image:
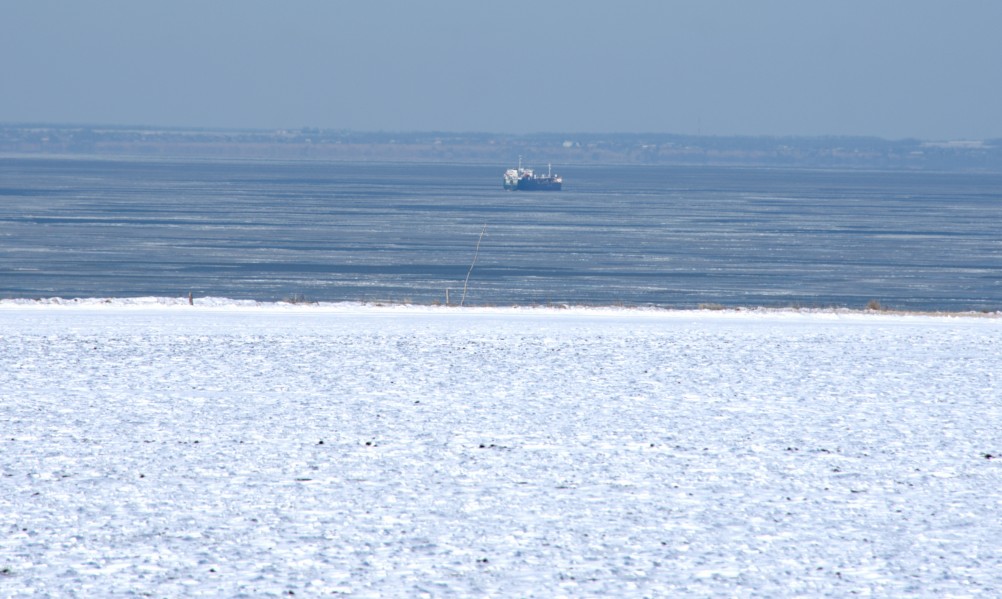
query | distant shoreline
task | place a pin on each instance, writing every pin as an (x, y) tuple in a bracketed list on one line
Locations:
[(501, 149)]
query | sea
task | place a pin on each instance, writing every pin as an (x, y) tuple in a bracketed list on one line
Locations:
[(669, 236)]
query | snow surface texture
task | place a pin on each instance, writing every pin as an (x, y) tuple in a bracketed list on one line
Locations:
[(228, 449)]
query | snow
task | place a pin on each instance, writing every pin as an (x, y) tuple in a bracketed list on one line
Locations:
[(148, 447)]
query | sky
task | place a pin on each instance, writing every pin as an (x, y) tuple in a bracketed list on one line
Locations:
[(888, 68)]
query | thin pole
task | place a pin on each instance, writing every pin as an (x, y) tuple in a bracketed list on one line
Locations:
[(475, 254)]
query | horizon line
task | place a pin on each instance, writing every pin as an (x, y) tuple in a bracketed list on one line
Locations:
[(343, 130)]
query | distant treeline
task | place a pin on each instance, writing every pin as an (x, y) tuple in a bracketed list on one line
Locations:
[(502, 149)]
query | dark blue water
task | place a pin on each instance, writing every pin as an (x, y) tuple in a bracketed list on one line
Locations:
[(671, 236)]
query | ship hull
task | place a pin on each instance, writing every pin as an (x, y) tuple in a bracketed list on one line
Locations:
[(538, 185)]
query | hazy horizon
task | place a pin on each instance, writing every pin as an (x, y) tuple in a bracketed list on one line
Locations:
[(419, 136), (894, 70)]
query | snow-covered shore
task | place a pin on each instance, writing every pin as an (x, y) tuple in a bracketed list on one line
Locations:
[(228, 448)]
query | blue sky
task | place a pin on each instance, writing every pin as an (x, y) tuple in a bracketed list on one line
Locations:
[(888, 68)]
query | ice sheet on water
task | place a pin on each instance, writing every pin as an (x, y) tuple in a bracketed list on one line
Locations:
[(236, 447)]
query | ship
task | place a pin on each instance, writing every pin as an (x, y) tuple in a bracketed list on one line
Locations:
[(524, 179)]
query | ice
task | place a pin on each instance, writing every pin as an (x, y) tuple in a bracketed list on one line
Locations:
[(239, 448)]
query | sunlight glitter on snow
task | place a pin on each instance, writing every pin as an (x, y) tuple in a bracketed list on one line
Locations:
[(236, 448)]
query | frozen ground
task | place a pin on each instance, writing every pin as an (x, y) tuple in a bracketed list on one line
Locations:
[(156, 449)]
